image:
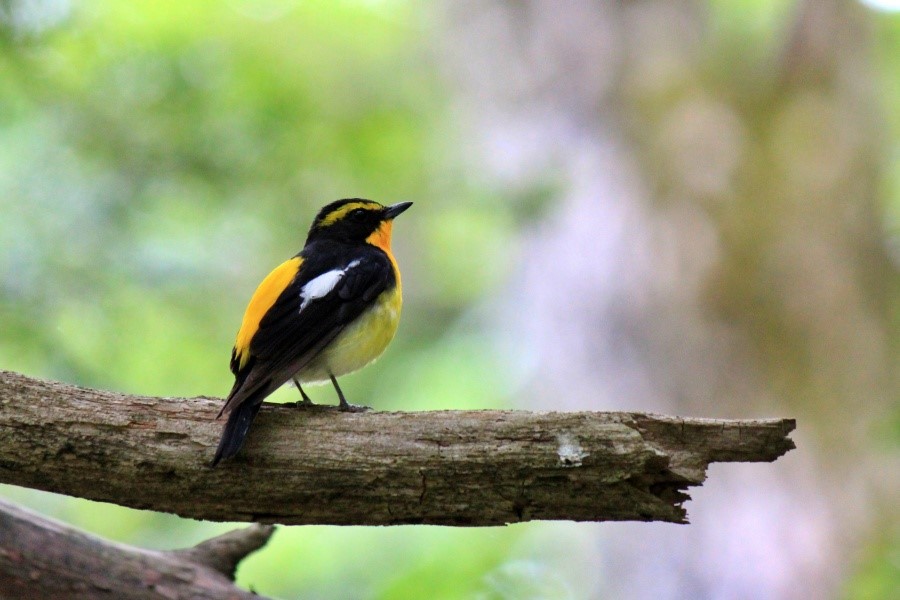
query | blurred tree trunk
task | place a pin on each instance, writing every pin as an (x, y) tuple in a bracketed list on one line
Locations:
[(717, 233), (45, 559)]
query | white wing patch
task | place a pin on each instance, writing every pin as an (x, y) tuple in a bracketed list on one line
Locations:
[(322, 285)]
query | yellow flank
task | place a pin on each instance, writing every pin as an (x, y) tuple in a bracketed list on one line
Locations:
[(360, 343), (263, 299), (341, 212)]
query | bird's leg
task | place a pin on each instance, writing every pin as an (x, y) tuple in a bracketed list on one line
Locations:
[(345, 406), (306, 401)]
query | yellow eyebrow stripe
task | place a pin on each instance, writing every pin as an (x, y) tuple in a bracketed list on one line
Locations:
[(263, 299), (340, 213)]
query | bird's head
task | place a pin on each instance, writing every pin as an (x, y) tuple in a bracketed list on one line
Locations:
[(354, 220)]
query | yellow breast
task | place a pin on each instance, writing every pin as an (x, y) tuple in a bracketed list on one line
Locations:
[(361, 342)]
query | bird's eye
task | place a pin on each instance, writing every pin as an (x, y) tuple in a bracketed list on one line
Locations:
[(358, 215)]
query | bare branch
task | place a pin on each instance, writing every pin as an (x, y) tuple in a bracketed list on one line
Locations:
[(319, 466), (44, 559), (224, 552)]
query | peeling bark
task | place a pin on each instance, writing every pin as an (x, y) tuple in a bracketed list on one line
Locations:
[(320, 466)]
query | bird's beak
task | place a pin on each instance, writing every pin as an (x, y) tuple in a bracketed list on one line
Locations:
[(395, 209)]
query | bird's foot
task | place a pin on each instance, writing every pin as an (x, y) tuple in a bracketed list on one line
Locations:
[(306, 401), (303, 403), (353, 408)]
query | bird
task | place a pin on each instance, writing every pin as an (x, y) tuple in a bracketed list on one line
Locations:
[(328, 311)]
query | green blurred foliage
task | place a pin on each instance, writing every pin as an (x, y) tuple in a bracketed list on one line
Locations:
[(878, 575), (158, 158)]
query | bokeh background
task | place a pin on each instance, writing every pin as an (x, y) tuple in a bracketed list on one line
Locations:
[(683, 206)]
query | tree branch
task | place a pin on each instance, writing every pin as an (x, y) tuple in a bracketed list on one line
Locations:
[(44, 559), (320, 466)]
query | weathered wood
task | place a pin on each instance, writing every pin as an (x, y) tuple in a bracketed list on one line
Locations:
[(42, 559), (320, 466)]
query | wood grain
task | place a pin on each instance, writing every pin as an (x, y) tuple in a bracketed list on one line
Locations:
[(320, 466)]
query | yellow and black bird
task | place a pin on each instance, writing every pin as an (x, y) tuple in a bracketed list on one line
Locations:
[(328, 311)]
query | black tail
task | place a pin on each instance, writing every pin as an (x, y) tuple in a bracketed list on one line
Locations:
[(236, 429)]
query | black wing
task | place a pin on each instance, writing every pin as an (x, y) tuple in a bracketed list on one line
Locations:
[(289, 337)]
